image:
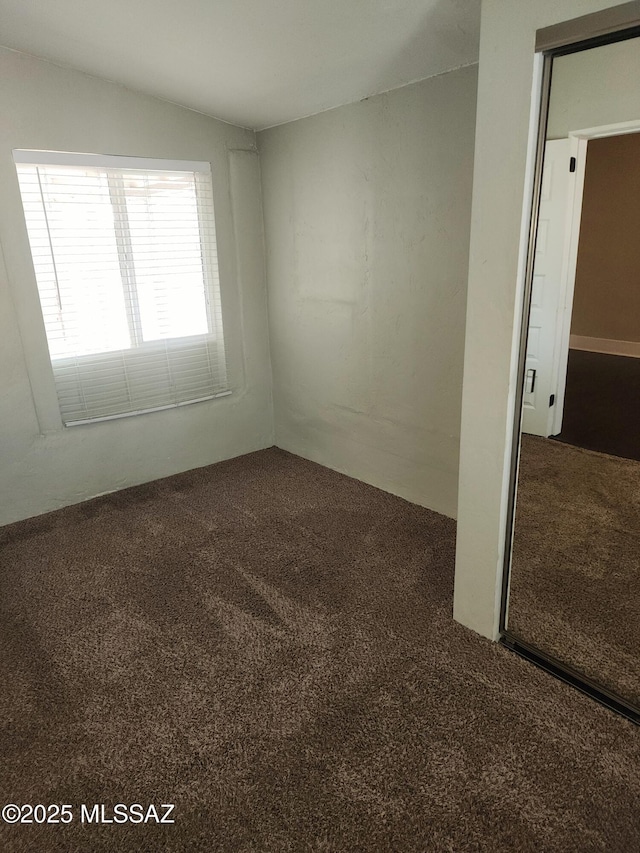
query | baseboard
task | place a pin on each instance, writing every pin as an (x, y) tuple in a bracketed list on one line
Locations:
[(605, 345)]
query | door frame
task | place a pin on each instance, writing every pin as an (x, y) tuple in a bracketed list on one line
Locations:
[(578, 141), (540, 421)]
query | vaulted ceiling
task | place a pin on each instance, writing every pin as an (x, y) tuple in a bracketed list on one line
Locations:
[(255, 63)]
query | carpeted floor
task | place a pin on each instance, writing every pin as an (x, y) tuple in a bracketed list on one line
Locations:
[(269, 645), (575, 578)]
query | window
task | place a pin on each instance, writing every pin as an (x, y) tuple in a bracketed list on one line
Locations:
[(124, 253)]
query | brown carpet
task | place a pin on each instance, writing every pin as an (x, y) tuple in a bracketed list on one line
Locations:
[(575, 580), (269, 645)]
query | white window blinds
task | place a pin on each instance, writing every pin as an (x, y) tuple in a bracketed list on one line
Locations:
[(124, 253)]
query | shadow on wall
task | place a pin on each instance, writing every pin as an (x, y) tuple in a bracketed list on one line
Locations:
[(367, 216), (448, 29)]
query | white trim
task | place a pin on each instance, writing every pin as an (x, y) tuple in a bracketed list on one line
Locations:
[(573, 216), (107, 161), (619, 129), (605, 345)]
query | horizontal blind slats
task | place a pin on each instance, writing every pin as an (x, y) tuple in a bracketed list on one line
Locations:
[(127, 272)]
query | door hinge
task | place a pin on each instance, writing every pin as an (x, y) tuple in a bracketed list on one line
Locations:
[(572, 164), (552, 400), (530, 381)]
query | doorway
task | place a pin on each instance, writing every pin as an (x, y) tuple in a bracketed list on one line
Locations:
[(602, 398), (582, 378)]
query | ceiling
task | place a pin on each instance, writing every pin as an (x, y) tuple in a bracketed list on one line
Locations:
[(256, 63)]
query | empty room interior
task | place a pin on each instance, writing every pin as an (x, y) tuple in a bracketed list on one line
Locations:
[(320, 426)]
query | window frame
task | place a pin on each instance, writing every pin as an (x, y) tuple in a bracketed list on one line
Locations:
[(211, 282)]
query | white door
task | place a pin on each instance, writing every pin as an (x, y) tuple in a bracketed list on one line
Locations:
[(547, 299)]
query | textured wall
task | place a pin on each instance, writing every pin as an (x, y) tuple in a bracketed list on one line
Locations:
[(507, 44), (44, 465), (595, 87), (606, 300), (367, 226)]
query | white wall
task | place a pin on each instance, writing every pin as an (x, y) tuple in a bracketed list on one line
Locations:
[(367, 213), (595, 87), (43, 465), (507, 43)]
